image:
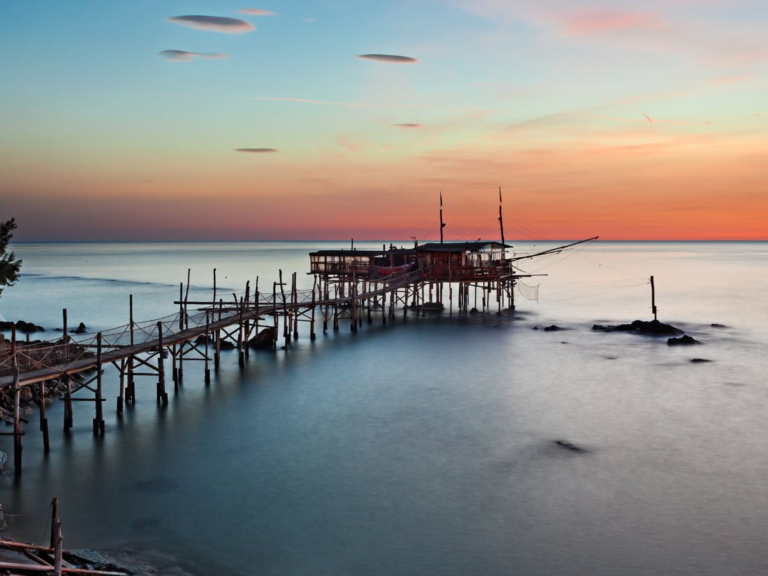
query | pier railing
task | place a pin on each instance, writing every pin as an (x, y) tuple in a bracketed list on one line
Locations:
[(72, 350)]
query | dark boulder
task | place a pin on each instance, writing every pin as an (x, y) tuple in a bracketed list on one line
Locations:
[(81, 329), (226, 345), (474, 311), (265, 339), (552, 328), (682, 341), (718, 326), (21, 326), (699, 360), (647, 328), (568, 446)]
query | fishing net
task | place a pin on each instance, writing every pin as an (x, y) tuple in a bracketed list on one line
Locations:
[(528, 292)]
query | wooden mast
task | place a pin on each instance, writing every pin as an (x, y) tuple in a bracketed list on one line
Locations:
[(442, 224)]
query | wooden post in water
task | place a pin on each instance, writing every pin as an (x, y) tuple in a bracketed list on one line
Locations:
[(66, 334), (122, 388), (247, 329), (296, 310), (178, 374), (58, 548), (131, 389), (68, 415), (312, 335), (217, 351), (162, 395), (98, 421), (54, 519), (240, 353), (274, 315), (207, 338), (44, 420), (653, 298), (17, 431)]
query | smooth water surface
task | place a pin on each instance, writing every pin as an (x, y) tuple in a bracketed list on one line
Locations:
[(423, 447)]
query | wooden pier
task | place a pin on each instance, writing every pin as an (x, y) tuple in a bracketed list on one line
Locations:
[(349, 286)]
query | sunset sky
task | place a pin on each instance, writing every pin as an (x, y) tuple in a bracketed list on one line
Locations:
[(129, 120)]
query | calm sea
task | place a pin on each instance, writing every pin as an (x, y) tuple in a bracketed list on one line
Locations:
[(422, 447)]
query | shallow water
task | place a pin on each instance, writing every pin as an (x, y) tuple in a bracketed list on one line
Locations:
[(423, 447)]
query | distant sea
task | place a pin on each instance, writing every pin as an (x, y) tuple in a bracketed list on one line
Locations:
[(426, 446)]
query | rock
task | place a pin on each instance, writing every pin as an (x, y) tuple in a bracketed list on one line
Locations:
[(568, 446), (552, 328), (25, 394), (21, 326), (202, 339), (535, 327), (683, 340), (265, 339), (81, 329), (718, 326), (652, 328), (474, 311), (699, 360), (226, 345)]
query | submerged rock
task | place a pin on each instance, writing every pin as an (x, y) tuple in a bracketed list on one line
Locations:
[(718, 326), (552, 328), (648, 328), (568, 446), (699, 360), (21, 326), (265, 339), (683, 340), (81, 329), (474, 311)]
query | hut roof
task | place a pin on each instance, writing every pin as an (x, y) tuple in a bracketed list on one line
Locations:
[(460, 246)]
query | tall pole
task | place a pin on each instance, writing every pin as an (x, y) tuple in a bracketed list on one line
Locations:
[(442, 224), (653, 298), (501, 226)]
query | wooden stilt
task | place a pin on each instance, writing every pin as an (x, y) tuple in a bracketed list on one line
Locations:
[(131, 388), (44, 420), (68, 415), (122, 388), (312, 321), (98, 421), (17, 429), (207, 337), (162, 395)]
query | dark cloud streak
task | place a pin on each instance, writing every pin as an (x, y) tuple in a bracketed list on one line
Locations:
[(388, 58), (214, 24), (257, 150), (184, 56)]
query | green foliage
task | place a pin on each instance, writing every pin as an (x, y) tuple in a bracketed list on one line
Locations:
[(9, 266)]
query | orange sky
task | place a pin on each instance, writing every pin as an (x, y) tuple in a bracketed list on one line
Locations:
[(593, 118)]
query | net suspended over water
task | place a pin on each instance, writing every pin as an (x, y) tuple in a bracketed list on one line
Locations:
[(528, 292)]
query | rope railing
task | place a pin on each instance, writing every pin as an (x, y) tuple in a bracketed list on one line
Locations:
[(63, 353)]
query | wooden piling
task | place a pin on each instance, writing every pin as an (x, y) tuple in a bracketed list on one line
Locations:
[(54, 519), (162, 395), (44, 420), (17, 430), (207, 337), (131, 388), (98, 421)]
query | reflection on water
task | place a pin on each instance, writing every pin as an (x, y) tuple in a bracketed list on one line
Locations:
[(426, 446)]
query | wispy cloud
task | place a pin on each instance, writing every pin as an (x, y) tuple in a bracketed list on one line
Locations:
[(309, 19), (407, 125), (388, 58), (368, 104), (214, 24), (184, 56), (256, 12), (257, 150), (595, 21), (647, 117)]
